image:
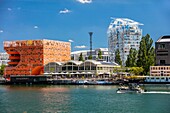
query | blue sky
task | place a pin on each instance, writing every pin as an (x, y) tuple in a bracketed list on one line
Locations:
[(72, 19)]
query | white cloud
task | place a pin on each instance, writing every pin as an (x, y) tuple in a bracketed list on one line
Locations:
[(65, 11), (70, 40), (1, 31), (80, 47), (85, 1), (35, 27), (9, 9), (18, 8)]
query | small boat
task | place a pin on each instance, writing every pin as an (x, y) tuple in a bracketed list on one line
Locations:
[(131, 88), (81, 82)]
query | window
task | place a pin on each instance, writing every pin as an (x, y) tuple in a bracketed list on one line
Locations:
[(162, 54), (75, 68), (162, 73), (162, 62), (52, 69), (162, 46), (69, 68), (81, 68), (63, 68), (87, 68), (93, 68)]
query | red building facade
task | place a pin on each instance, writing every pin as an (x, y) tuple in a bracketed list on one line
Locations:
[(28, 57)]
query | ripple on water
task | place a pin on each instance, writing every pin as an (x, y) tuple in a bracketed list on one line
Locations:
[(78, 99)]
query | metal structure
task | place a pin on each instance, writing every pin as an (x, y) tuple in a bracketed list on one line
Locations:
[(90, 33), (123, 34)]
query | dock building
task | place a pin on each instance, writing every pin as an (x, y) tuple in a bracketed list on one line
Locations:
[(88, 68)]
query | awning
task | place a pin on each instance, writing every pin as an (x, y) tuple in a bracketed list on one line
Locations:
[(107, 73), (89, 72), (100, 73)]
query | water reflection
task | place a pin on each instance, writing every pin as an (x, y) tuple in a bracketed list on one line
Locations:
[(54, 99), (47, 98), (157, 87), (78, 99), (54, 89)]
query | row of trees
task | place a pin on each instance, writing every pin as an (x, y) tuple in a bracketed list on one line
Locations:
[(90, 57), (144, 57), (140, 60), (132, 70)]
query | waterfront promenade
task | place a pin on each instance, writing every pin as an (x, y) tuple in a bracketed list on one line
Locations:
[(64, 80)]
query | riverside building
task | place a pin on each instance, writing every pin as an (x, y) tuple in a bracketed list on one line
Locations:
[(123, 34), (161, 71), (28, 57), (79, 69)]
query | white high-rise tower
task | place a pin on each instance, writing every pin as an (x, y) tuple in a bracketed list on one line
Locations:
[(123, 34)]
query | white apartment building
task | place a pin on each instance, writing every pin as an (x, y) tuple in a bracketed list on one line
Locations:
[(123, 34)]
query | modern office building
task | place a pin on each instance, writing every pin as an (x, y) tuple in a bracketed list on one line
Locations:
[(123, 34), (162, 51), (85, 53), (28, 57), (161, 71), (4, 59), (88, 68)]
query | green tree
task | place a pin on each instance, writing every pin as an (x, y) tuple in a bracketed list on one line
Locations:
[(2, 68), (117, 57), (99, 54), (146, 54), (90, 57), (81, 57), (128, 61), (136, 70), (131, 58)]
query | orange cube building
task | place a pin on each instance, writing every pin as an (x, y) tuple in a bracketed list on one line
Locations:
[(28, 57)]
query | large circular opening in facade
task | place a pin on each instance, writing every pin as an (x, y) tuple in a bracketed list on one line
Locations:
[(14, 58)]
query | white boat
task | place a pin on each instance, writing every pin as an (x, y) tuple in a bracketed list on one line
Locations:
[(131, 88), (81, 82)]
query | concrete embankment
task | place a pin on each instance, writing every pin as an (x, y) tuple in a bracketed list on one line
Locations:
[(62, 81)]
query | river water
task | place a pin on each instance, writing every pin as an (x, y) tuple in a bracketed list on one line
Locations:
[(80, 99)]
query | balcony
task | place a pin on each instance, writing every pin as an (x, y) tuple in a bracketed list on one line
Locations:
[(12, 52), (14, 57), (13, 63)]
